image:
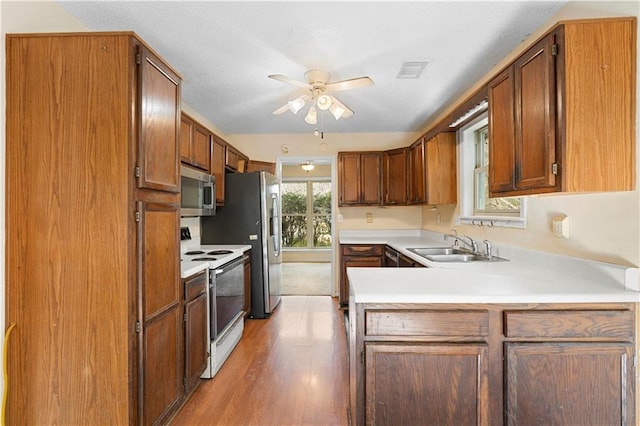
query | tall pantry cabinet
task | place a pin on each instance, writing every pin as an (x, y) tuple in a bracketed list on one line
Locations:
[(92, 220)]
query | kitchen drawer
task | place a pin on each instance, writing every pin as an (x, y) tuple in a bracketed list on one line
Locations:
[(610, 325), (195, 285), (362, 250), (426, 323)]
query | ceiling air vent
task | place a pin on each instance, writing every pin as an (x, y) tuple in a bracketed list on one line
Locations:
[(412, 69)]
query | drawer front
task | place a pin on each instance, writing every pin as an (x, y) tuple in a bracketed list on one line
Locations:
[(570, 324), (195, 285), (362, 250), (427, 323)]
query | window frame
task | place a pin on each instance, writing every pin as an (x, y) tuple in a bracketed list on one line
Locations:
[(467, 186)]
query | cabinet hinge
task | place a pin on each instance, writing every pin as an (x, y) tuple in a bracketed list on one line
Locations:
[(362, 357), (554, 50), (184, 317), (137, 216), (138, 58), (137, 171), (554, 168), (137, 326)]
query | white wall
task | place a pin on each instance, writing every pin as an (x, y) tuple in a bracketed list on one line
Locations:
[(604, 226)]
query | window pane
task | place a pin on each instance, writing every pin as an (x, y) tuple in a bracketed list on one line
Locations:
[(294, 197), (321, 197), (294, 230), (322, 231), (482, 189)]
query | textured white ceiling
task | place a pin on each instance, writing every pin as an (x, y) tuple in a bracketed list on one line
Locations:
[(225, 50)]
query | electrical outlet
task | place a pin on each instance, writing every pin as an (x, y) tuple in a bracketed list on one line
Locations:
[(369, 217)]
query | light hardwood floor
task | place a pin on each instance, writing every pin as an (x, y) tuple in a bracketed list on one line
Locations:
[(290, 369)]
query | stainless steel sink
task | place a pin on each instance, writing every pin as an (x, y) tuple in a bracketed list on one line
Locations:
[(452, 254), (455, 257), (434, 251)]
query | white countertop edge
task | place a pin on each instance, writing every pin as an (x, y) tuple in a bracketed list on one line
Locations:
[(191, 268), (522, 261), (440, 285)]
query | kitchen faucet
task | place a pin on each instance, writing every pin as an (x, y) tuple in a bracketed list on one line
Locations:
[(471, 243)]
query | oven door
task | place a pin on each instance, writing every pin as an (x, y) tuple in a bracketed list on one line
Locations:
[(229, 296)]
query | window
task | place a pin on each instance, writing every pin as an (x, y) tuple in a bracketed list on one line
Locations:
[(306, 214), (477, 208)]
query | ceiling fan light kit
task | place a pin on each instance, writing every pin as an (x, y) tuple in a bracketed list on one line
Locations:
[(296, 104), (312, 116), (318, 87), (324, 102)]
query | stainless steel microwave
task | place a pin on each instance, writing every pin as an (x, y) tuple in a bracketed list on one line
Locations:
[(197, 193)]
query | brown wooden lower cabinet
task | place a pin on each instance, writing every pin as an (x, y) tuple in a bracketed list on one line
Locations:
[(441, 380), (195, 329), (492, 364), (357, 256)]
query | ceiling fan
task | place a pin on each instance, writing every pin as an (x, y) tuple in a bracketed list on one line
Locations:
[(318, 87)]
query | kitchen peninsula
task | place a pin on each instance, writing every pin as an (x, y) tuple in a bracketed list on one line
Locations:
[(542, 338)]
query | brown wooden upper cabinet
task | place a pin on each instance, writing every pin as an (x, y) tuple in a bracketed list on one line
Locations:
[(257, 166), (395, 176), (235, 160), (561, 116), (417, 173), (195, 144), (433, 170), (218, 160), (441, 169), (359, 178)]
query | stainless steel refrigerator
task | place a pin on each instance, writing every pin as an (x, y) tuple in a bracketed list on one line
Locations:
[(251, 215)]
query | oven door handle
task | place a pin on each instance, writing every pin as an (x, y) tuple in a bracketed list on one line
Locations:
[(234, 263)]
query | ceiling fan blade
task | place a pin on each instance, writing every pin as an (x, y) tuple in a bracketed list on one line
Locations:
[(284, 108), (352, 83), (289, 80), (339, 110)]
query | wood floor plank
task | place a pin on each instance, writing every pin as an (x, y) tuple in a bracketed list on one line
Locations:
[(290, 369)]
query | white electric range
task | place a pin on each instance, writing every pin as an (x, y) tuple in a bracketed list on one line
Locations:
[(226, 296)]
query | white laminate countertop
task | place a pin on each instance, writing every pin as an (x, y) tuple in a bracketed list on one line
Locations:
[(189, 267), (528, 277)]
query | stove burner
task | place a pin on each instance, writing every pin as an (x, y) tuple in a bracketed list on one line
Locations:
[(195, 252), (220, 252), (204, 259)]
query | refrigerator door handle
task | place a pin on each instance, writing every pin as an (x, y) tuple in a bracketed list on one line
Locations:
[(275, 226)]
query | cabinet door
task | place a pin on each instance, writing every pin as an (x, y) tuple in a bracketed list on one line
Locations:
[(231, 161), (201, 148), (417, 187), (569, 384), (218, 154), (501, 133), (371, 178), (535, 116), (256, 166), (186, 126), (349, 178), (196, 344), (161, 310), (355, 262), (395, 176), (422, 384), (442, 169), (159, 106)]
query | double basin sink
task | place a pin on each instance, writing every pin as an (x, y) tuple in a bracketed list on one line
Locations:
[(452, 254)]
